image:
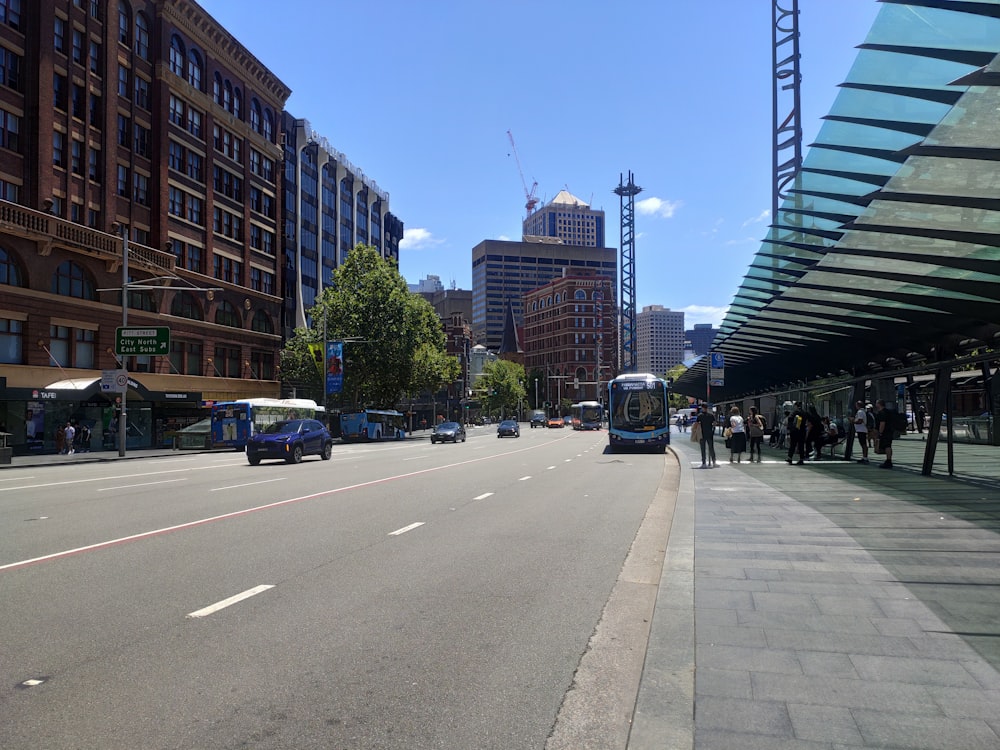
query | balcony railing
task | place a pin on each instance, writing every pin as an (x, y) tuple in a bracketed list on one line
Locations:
[(38, 225)]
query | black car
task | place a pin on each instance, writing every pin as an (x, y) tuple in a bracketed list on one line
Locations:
[(508, 428), (290, 440), (448, 431), (538, 419)]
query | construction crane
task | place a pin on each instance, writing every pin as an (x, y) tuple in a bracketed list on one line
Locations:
[(529, 195)]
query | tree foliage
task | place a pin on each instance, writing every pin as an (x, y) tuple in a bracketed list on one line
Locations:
[(393, 340), (501, 386)]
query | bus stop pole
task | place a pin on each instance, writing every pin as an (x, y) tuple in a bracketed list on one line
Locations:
[(122, 418)]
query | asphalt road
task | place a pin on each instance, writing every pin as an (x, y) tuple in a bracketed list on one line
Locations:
[(401, 595)]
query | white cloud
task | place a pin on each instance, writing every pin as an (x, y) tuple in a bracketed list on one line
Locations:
[(503, 238), (657, 207), (417, 239), (759, 218), (703, 314)]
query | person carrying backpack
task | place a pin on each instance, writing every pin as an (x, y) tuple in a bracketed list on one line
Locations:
[(886, 431)]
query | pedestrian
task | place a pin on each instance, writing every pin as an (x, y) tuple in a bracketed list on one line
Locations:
[(783, 429), (921, 416), (872, 425), (815, 433), (61, 439), (69, 436), (737, 435), (884, 421), (83, 434), (797, 433), (861, 430), (755, 429), (706, 423)]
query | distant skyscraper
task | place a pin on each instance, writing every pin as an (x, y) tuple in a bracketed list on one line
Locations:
[(569, 219), (429, 285), (701, 337), (503, 272), (660, 339)]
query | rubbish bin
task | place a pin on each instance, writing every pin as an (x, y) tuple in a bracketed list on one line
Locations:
[(5, 450)]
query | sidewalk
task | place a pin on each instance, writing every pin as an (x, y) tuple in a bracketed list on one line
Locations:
[(827, 606)]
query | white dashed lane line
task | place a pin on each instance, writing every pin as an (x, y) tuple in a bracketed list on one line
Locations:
[(144, 484), (483, 496), (212, 608), (403, 530), (524, 478), (248, 484)]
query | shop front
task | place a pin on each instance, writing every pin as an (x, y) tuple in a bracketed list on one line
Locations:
[(36, 417)]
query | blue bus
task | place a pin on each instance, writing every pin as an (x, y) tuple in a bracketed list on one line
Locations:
[(233, 422), (372, 424), (638, 406), (587, 415)]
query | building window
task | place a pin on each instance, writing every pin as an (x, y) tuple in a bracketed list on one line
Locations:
[(60, 90), (10, 69), (69, 280), (10, 13), (141, 36), (195, 168), (194, 122), (194, 209), (124, 131), (262, 365), (76, 157), (11, 341), (141, 194), (185, 357), (79, 101), (268, 125), (10, 272), (59, 149), (226, 315), (123, 181), (194, 69), (227, 362), (10, 131), (176, 111), (227, 269), (95, 58), (59, 35), (255, 116), (175, 202), (71, 347), (142, 93), (77, 46), (124, 23), (96, 112), (142, 140), (176, 56), (184, 305), (123, 88)]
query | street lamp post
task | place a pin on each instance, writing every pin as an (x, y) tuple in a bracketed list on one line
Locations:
[(536, 392), (122, 417)]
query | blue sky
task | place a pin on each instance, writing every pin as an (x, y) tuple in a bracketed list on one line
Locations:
[(420, 94)]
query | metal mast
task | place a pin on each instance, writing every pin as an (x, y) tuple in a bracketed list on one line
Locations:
[(626, 194), (787, 98)]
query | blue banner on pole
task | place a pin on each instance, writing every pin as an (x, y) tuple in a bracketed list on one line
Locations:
[(334, 366)]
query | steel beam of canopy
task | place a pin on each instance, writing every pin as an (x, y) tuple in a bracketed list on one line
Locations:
[(626, 193)]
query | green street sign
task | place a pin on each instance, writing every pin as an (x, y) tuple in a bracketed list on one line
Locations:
[(142, 341)]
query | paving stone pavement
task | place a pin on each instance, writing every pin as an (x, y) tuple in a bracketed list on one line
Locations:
[(831, 605)]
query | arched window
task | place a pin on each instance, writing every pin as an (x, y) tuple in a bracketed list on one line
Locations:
[(534, 305), (10, 271), (227, 97), (557, 299), (226, 315), (194, 69), (184, 305), (217, 88), (580, 294), (70, 280), (237, 103), (176, 56), (269, 125), (124, 22), (255, 115), (262, 322), (141, 36), (548, 300)]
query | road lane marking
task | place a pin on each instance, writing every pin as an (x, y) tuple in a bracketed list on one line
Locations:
[(15, 479), (141, 484), (403, 530), (101, 479), (248, 484), (245, 511), (212, 608), (549, 468), (524, 478), (483, 496)]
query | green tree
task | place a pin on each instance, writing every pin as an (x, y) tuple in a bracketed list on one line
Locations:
[(393, 340), (501, 386), (677, 400)]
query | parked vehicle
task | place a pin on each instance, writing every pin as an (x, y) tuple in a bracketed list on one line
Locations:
[(508, 428), (448, 432), (290, 440), (556, 422)]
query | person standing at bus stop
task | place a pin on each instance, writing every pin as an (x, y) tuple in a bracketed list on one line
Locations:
[(706, 421)]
